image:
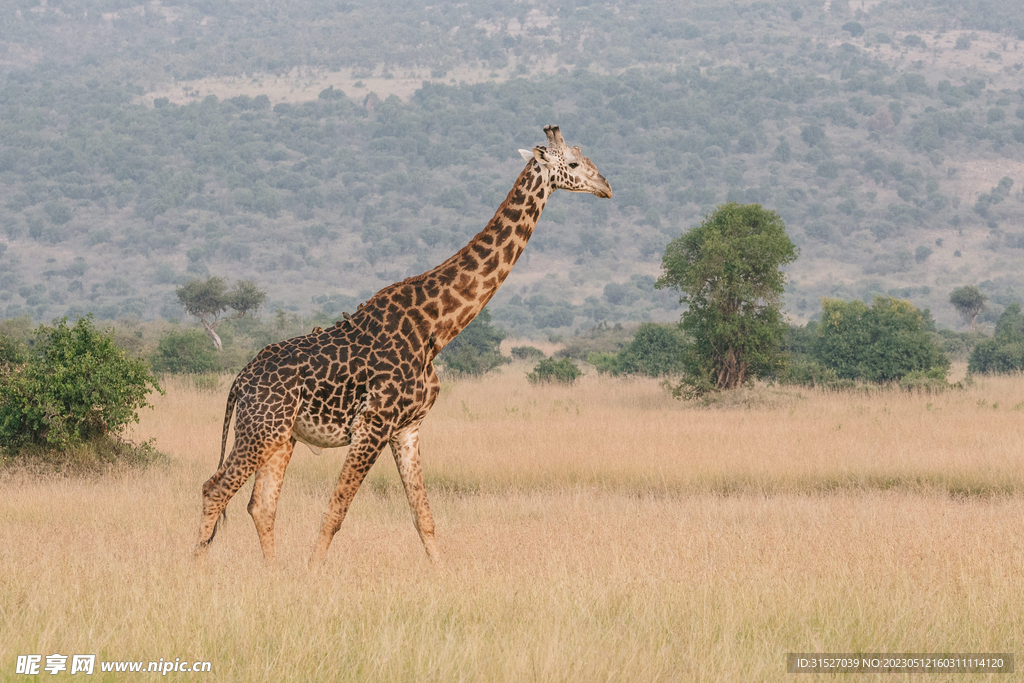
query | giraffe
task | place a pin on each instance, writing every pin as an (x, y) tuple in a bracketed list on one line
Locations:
[(369, 380)]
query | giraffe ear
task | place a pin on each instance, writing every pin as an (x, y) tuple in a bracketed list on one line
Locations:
[(526, 154), (540, 154)]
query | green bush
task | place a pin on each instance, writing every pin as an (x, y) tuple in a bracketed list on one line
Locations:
[(931, 382), (728, 271), (958, 345), (810, 373), (76, 385), (185, 352), (563, 371), (605, 363), (1004, 352), (882, 343), (656, 350), (527, 353)]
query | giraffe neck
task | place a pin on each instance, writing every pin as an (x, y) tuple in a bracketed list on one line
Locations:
[(441, 302), (469, 279)]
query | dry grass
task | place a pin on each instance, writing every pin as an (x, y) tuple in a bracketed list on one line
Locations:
[(592, 533)]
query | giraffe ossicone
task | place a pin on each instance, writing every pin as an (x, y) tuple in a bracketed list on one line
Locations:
[(368, 381)]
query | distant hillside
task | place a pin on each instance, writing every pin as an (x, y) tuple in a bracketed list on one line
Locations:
[(325, 150)]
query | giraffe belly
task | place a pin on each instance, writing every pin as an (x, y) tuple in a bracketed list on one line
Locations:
[(318, 436)]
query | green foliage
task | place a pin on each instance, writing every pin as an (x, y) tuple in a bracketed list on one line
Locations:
[(210, 298), (728, 270), (185, 352), (476, 350), (605, 363), (11, 351), (656, 350), (563, 371), (883, 343), (958, 345), (526, 353), (75, 386), (810, 373), (1004, 352), (926, 382)]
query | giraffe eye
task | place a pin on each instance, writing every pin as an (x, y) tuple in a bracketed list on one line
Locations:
[(573, 165)]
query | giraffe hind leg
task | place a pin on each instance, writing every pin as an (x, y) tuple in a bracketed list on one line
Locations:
[(244, 459), (406, 449), (265, 492)]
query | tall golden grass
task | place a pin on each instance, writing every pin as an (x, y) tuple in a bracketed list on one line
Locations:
[(600, 532)]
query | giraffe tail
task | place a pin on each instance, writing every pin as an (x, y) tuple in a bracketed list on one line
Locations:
[(229, 410)]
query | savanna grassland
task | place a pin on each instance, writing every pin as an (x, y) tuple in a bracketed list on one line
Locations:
[(600, 532)]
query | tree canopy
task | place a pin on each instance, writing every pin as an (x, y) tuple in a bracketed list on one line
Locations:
[(209, 299), (969, 302)]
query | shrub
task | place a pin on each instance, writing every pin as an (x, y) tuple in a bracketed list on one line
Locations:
[(76, 385), (527, 353), (1004, 352), (185, 352), (655, 351), (605, 363), (564, 371), (931, 382), (882, 343), (811, 373)]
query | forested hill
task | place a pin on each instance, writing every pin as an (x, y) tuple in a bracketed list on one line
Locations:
[(141, 145)]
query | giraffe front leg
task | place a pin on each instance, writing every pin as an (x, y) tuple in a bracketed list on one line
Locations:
[(405, 445), (265, 492), (367, 444)]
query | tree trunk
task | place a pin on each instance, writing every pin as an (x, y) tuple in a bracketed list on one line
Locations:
[(212, 334), (733, 371)]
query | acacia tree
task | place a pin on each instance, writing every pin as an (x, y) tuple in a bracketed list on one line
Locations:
[(968, 302), (729, 272), (210, 299)]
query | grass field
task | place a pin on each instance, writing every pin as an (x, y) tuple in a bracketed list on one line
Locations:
[(601, 532)]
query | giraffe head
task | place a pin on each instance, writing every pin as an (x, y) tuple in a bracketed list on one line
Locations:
[(565, 168)]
